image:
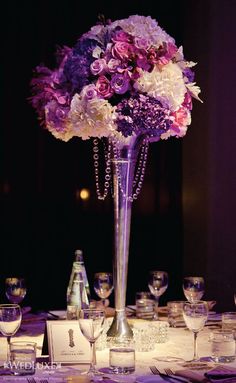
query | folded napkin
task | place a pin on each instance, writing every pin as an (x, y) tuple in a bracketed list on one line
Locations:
[(222, 374), (195, 377)]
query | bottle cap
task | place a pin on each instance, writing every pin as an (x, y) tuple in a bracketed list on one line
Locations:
[(79, 255)]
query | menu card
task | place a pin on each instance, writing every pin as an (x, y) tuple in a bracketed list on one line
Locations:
[(66, 343)]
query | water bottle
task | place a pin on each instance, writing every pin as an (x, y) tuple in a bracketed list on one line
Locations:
[(77, 299), (78, 266), (80, 259)]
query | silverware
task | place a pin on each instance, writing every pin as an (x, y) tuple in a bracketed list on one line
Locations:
[(31, 380), (167, 377), (53, 315)]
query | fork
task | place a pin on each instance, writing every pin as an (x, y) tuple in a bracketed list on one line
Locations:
[(31, 380), (166, 376)]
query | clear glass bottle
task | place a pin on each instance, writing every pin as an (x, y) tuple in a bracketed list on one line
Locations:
[(77, 299), (78, 266), (80, 259)]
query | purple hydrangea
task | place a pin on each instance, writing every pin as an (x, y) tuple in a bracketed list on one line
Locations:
[(187, 72), (77, 67), (142, 114)]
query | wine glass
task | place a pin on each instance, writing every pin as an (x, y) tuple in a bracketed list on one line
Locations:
[(15, 289), (91, 323), (194, 288), (10, 321), (103, 285), (195, 316), (157, 283)]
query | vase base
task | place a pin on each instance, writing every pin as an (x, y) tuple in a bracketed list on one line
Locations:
[(120, 332)]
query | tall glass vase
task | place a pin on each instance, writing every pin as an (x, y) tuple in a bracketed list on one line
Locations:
[(123, 164)]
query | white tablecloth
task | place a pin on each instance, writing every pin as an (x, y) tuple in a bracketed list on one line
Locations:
[(179, 344)]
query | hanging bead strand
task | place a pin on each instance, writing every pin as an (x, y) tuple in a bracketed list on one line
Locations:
[(139, 175), (102, 196)]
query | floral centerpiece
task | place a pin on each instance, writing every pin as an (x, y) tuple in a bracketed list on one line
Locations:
[(120, 79), (128, 82)]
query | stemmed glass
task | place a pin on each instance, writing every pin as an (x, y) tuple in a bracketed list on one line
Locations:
[(157, 283), (91, 323), (10, 321), (15, 289), (195, 317), (103, 285), (194, 288)]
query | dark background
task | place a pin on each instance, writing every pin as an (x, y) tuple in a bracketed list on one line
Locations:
[(184, 219)]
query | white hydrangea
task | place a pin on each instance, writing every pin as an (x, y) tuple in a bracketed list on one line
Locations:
[(165, 84), (91, 118), (144, 27)]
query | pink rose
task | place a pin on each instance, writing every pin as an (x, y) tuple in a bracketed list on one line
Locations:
[(188, 101), (181, 117), (122, 50), (103, 87), (89, 92), (152, 56), (112, 65), (98, 66), (171, 50)]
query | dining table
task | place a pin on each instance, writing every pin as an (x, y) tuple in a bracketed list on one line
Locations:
[(173, 352)]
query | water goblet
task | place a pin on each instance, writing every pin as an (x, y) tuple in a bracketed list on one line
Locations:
[(194, 288), (10, 321), (103, 285), (195, 316), (157, 283), (91, 322), (15, 289)]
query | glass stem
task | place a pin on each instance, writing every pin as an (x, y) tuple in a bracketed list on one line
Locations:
[(195, 355), (8, 348), (93, 358), (156, 307)]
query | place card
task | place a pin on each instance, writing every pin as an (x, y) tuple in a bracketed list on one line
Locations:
[(66, 343)]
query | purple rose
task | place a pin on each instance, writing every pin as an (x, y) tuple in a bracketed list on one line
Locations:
[(98, 67), (120, 35), (112, 65), (122, 50), (142, 62), (120, 83), (103, 87), (89, 92), (142, 43)]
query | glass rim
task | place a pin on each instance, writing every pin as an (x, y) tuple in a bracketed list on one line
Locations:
[(23, 342), (221, 331), (158, 271), (103, 273), (9, 305), (92, 310), (14, 279), (196, 303), (229, 312)]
